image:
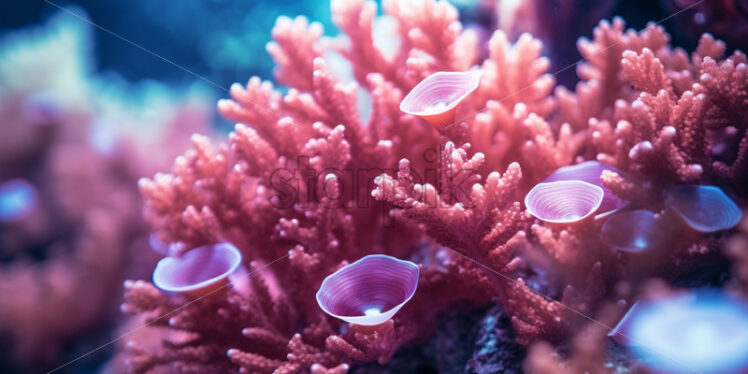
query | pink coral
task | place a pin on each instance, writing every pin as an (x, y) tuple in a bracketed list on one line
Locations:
[(291, 186), (657, 114)]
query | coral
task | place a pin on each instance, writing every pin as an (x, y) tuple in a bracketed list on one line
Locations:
[(654, 113), (323, 218), (63, 261), (543, 19), (305, 184), (602, 83)]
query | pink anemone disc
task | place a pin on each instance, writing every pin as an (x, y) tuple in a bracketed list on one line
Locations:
[(369, 291), (435, 98), (633, 231), (564, 201), (703, 208), (200, 271), (590, 172)]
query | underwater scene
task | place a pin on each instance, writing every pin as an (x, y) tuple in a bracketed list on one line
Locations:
[(374, 187)]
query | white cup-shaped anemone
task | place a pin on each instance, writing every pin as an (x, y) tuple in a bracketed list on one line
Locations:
[(701, 332), (18, 198), (590, 172), (369, 291), (435, 98), (563, 201), (199, 271), (633, 231), (703, 208)]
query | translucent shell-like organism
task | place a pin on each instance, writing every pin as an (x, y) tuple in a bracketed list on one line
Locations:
[(590, 172), (435, 98), (565, 201), (633, 231), (702, 332), (198, 272), (369, 291), (703, 208), (17, 199)]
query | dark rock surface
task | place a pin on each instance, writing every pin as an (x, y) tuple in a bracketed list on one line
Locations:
[(495, 350), (450, 346), (477, 342)]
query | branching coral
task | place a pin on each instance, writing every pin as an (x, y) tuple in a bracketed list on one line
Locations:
[(292, 186), (305, 197), (653, 112)]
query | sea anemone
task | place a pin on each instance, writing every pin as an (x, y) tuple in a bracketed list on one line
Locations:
[(199, 272), (633, 231), (703, 208), (590, 172), (701, 331), (565, 201), (435, 98), (369, 291)]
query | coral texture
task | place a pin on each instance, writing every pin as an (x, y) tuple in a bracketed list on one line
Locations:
[(292, 187)]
